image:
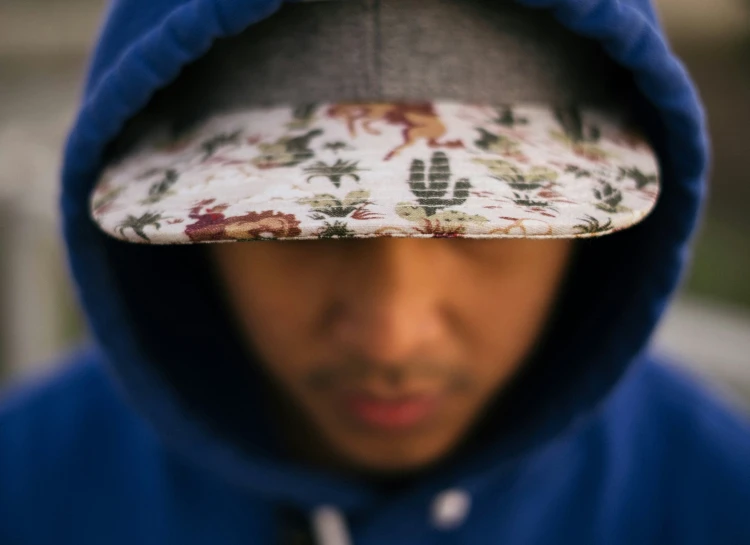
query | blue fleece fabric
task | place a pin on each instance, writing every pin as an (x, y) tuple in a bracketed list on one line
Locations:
[(121, 447)]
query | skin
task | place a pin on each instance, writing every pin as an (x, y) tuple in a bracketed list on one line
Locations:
[(450, 320)]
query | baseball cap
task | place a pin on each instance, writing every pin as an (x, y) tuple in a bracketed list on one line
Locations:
[(365, 118)]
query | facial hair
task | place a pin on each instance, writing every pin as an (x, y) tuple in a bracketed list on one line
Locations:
[(358, 371)]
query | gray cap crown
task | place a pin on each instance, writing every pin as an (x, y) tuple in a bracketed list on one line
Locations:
[(476, 51)]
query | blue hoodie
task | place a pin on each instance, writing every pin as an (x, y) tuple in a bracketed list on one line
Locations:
[(148, 438)]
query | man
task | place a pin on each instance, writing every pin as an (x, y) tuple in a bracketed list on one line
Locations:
[(471, 219)]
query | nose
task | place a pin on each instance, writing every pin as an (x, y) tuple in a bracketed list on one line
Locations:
[(391, 305)]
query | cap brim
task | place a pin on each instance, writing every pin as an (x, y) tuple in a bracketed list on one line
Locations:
[(434, 169)]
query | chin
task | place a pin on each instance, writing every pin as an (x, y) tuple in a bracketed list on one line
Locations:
[(395, 455)]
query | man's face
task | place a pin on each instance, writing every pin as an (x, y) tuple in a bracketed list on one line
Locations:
[(390, 349)]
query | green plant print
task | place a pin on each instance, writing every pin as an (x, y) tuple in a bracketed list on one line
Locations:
[(335, 172), (302, 116), (137, 225), (534, 178), (634, 173), (161, 189), (337, 146), (211, 146), (433, 195), (572, 124), (338, 229), (591, 226), (287, 151), (527, 200), (507, 117), (329, 206), (578, 172), (104, 199), (583, 139), (609, 198), (495, 143)]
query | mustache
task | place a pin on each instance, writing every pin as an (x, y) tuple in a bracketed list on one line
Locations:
[(394, 375)]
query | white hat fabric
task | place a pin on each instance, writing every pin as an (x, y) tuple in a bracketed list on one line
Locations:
[(383, 169)]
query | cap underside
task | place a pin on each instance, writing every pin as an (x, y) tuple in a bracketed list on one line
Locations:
[(357, 170)]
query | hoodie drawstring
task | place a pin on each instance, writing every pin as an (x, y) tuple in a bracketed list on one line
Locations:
[(329, 526)]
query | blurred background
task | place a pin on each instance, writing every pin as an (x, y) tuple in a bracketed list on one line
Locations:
[(43, 51)]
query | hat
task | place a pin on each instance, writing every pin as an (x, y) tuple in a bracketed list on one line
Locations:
[(357, 118)]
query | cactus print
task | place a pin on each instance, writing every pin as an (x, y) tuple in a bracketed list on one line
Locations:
[(352, 170)]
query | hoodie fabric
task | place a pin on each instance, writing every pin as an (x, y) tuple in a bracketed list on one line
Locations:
[(152, 437)]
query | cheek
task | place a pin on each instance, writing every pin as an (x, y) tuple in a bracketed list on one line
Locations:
[(282, 331), (504, 319), (276, 311)]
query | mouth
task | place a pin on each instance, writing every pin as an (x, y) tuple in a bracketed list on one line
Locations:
[(393, 413)]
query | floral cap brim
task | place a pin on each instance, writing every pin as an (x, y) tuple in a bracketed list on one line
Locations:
[(430, 169)]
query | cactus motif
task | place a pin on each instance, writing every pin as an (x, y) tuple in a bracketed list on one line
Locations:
[(473, 171), (432, 196)]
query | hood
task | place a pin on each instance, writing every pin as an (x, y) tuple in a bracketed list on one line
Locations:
[(142, 303)]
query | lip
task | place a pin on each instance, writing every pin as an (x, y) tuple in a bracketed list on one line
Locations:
[(393, 413)]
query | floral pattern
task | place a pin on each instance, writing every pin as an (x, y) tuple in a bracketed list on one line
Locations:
[(439, 169)]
